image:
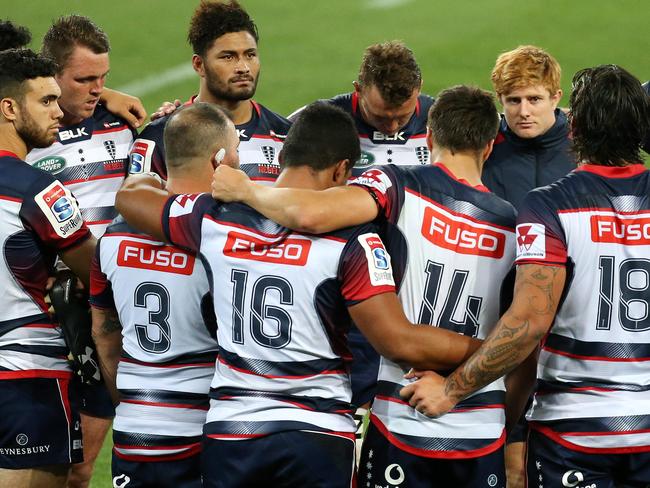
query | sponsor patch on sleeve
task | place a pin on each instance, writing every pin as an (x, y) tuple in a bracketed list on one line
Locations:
[(531, 241), (374, 178), (140, 156), (183, 205), (61, 209), (378, 259)]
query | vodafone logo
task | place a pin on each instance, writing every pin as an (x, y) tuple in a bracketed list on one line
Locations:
[(293, 252), (614, 229), (167, 259), (461, 237)]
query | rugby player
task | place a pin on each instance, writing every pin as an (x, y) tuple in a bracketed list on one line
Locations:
[(582, 290), (90, 157), (13, 36), (166, 364), (452, 246), (224, 40), (41, 435), (280, 411)]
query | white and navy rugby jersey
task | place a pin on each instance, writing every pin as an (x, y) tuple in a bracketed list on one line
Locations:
[(452, 246), (260, 141), (407, 147), (161, 294), (39, 218), (281, 298), (90, 158), (593, 392)]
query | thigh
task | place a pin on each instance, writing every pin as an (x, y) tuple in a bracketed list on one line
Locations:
[(182, 473), (550, 465), (39, 426)]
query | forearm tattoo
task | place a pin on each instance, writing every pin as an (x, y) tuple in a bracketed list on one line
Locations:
[(111, 323)]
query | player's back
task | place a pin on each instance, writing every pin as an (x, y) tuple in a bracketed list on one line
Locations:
[(593, 366), (452, 246), (162, 297)]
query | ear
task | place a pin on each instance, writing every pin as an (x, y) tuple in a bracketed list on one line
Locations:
[(429, 140), (357, 86), (487, 151), (197, 64), (340, 174), (9, 108), (555, 99)]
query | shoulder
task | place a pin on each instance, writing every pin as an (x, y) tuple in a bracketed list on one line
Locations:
[(106, 120), (343, 101), (273, 120), (20, 178)]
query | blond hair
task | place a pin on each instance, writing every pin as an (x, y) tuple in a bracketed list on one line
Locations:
[(523, 67)]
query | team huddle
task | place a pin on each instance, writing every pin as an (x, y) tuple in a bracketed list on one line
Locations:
[(233, 290)]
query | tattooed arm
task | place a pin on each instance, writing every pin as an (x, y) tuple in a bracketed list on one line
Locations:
[(107, 333), (537, 294)]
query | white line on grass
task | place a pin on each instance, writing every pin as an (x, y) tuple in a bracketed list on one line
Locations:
[(149, 84), (385, 4)]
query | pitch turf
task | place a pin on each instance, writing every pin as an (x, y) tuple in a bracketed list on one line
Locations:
[(312, 49)]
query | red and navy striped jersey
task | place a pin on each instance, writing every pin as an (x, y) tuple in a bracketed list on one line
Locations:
[(452, 246), (593, 392), (281, 299)]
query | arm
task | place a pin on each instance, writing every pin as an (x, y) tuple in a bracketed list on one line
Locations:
[(381, 319), (519, 386), (78, 259), (537, 294), (128, 107), (141, 201), (310, 211), (107, 335)]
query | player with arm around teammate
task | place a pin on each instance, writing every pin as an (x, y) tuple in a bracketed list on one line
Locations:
[(280, 409), (159, 362), (40, 220)]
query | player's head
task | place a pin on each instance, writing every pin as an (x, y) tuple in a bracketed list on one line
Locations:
[(463, 119), (388, 86), (527, 83), (199, 136), (13, 36), (224, 39), (323, 138), (28, 97), (610, 116), (80, 48)]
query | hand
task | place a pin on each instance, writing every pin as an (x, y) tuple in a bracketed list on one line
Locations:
[(427, 395), (128, 107), (166, 108), (229, 185)]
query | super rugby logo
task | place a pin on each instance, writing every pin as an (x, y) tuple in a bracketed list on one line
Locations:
[(461, 236), (289, 251), (59, 206), (167, 259), (140, 156), (378, 259), (531, 241), (616, 230)]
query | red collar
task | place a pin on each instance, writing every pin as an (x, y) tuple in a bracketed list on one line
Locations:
[(613, 171), (460, 180), (4, 154)]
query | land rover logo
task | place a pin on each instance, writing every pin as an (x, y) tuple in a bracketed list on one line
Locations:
[(51, 164), (366, 159)]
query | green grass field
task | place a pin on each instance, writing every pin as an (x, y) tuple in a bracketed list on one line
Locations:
[(312, 49)]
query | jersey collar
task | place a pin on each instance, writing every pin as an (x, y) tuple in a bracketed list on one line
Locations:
[(613, 171), (444, 168), (8, 154)]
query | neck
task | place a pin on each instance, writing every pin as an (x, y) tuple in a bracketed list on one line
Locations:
[(240, 110), (301, 177), (12, 142), (190, 178), (464, 166), (70, 119)]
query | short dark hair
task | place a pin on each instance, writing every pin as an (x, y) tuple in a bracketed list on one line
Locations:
[(463, 118), (71, 31), (18, 66), (13, 36), (392, 68), (610, 116), (321, 136), (194, 131), (213, 19)]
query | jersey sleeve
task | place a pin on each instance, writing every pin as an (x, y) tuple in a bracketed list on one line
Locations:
[(540, 236), (51, 211), (147, 153), (182, 218), (383, 186), (101, 292), (365, 268)]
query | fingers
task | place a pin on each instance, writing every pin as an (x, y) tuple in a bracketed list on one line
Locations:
[(139, 114)]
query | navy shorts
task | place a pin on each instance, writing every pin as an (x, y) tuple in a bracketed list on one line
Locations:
[(39, 426), (288, 459), (383, 464), (550, 464), (364, 368), (93, 400), (181, 473)]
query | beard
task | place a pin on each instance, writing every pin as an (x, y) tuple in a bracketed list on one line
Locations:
[(222, 90), (32, 135)]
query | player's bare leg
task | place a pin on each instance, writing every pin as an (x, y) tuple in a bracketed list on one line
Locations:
[(94, 431), (43, 477), (515, 459)]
